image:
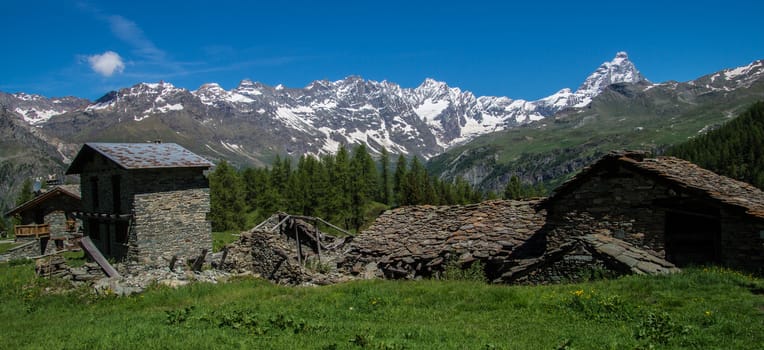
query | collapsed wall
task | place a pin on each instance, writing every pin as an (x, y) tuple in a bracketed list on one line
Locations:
[(292, 253), (418, 241), (513, 240)]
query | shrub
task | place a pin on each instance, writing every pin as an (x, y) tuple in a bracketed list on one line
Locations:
[(455, 271)]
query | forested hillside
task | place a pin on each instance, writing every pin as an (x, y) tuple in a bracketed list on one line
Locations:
[(350, 189), (734, 150)]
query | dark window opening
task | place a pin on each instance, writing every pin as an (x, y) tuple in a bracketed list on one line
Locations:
[(692, 239), (116, 196), (122, 232), (94, 192), (93, 230)]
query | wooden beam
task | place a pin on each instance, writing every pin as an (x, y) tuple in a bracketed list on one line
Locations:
[(87, 244), (310, 218), (279, 224)]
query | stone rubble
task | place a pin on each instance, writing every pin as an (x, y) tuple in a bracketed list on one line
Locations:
[(418, 241), (513, 240), (274, 255), (55, 266)]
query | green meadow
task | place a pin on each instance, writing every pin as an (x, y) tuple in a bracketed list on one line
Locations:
[(701, 308)]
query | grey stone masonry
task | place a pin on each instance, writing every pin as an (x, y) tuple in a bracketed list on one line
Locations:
[(411, 242), (167, 224)]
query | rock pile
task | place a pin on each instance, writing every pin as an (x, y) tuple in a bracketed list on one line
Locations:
[(414, 242), (52, 266), (133, 280), (277, 256), (514, 241), (87, 273)]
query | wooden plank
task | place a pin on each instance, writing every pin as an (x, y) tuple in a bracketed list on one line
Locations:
[(95, 254), (36, 230)]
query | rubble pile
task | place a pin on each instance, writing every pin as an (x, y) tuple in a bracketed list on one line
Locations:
[(276, 255), (418, 241)]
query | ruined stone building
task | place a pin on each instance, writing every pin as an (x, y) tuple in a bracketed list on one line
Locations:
[(49, 216), (144, 202), (678, 210), (623, 214)]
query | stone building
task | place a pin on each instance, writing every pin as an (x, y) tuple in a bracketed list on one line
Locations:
[(144, 202), (673, 208), (49, 216), (623, 214)]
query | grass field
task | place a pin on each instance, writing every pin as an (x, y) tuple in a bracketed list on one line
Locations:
[(699, 309)]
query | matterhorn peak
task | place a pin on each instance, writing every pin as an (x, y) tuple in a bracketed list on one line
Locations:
[(619, 70)]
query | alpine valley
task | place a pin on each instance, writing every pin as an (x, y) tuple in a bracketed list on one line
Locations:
[(483, 139)]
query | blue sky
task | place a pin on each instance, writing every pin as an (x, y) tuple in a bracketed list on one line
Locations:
[(501, 48)]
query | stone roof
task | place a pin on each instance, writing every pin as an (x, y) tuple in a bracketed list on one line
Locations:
[(67, 190), (682, 174), (636, 260), (140, 156), (421, 237)]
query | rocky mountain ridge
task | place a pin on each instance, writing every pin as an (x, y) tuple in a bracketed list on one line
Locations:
[(253, 122), (422, 121)]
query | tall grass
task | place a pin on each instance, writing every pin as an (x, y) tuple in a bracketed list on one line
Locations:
[(701, 309)]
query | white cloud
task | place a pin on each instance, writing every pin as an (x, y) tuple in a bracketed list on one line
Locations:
[(106, 63)]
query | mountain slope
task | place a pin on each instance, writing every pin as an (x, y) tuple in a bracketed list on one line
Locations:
[(734, 150), (36, 109), (24, 154), (625, 115)]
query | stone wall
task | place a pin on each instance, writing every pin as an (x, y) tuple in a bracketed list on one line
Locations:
[(274, 254), (742, 242), (618, 200), (26, 249), (167, 224), (266, 254), (633, 207)]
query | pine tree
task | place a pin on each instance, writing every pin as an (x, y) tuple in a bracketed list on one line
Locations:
[(341, 188), (384, 188), (227, 206), (399, 180), (733, 150), (26, 194), (413, 186), (513, 189)]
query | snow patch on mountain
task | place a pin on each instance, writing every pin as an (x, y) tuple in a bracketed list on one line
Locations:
[(36, 116)]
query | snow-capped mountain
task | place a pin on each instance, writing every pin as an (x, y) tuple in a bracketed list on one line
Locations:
[(36, 109), (422, 121), (255, 121)]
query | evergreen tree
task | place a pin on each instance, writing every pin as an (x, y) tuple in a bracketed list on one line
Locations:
[(734, 150), (341, 188), (513, 189), (26, 194), (384, 188), (227, 206), (413, 186), (399, 180)]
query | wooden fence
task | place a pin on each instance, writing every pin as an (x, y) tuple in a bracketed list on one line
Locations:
[(34, 230)]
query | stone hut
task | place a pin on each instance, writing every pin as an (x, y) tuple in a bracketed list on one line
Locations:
[(512, 239), (49, 216), (144, 202), (670, 207)]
